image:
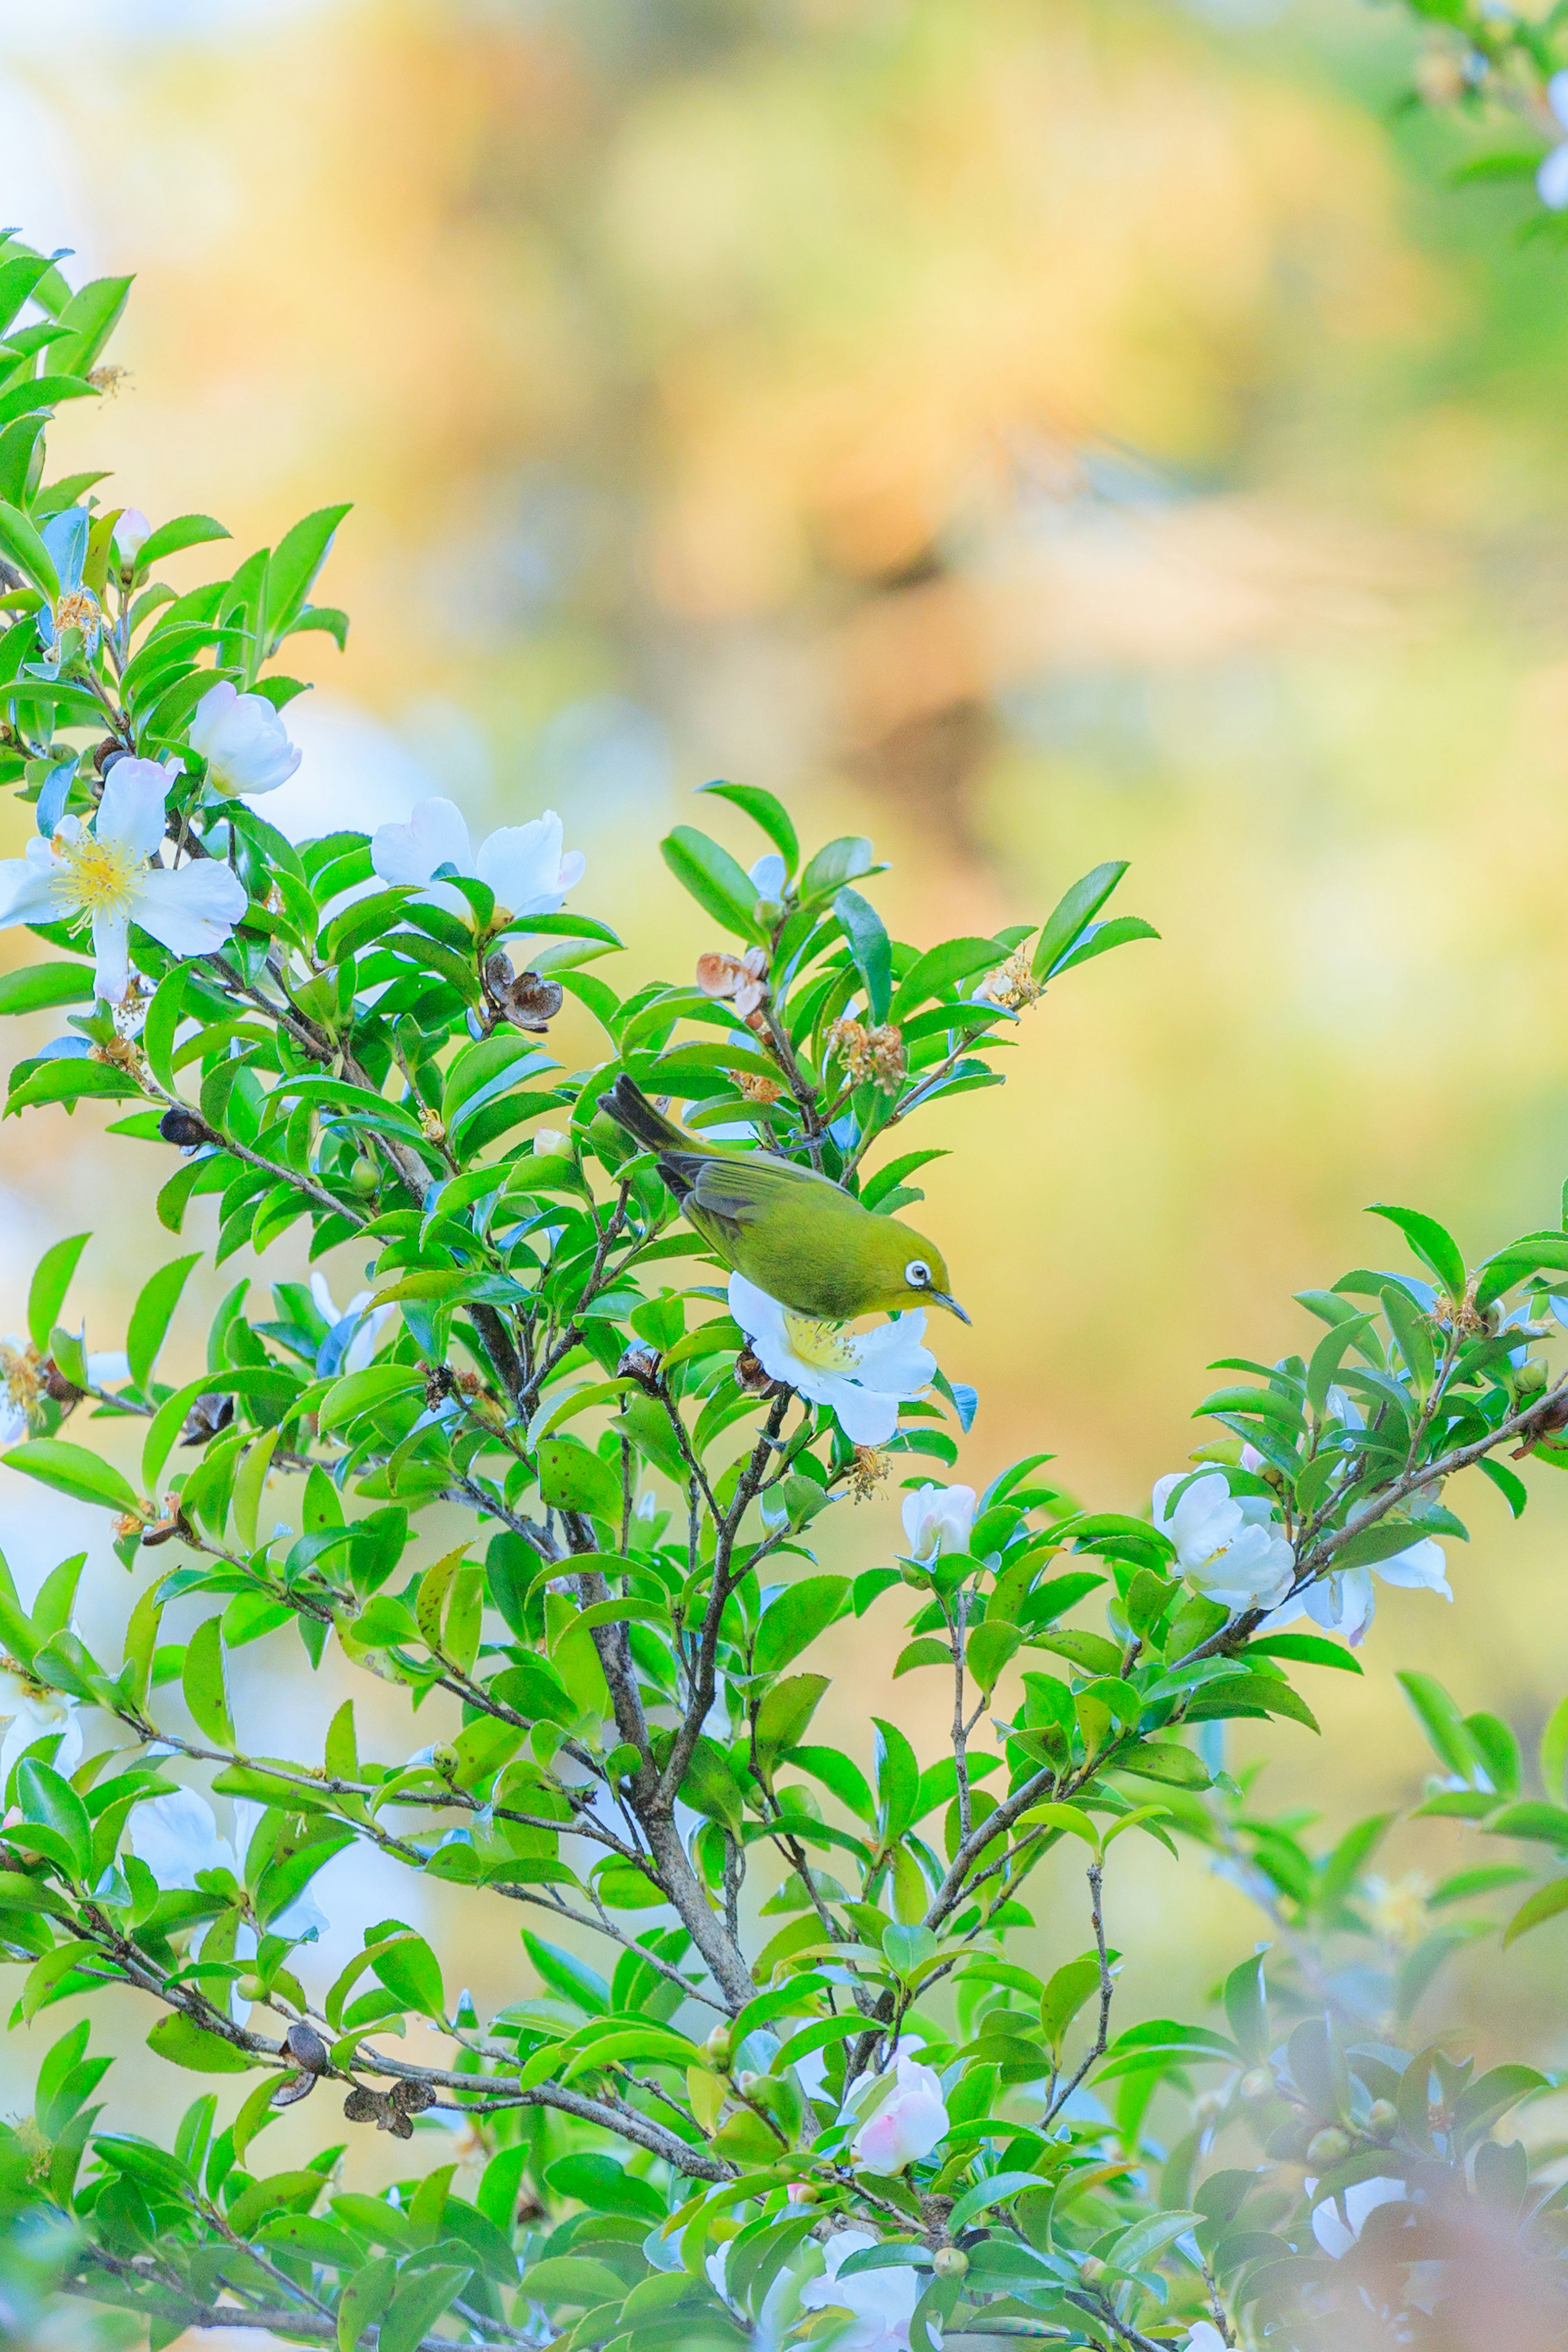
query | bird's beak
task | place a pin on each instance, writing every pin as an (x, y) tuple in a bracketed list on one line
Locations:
[(941, 1298)]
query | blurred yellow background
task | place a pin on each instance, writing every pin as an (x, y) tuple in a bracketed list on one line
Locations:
[(1028, 430)]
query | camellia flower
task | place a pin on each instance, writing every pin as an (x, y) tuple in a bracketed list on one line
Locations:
[(524, 864), (1360, 2201), (548, 1142), (132, 532), (1344, 1602), (861, 1375), (1228, 1547), (243, 741), (882, 2302), (1204, 2337), (104, 877), (908, 2124), (938, 1519), (31, 1711), (352, 1334), (1551, 179)]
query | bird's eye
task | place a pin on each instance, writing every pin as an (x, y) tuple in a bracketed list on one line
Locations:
[(917, 1273)]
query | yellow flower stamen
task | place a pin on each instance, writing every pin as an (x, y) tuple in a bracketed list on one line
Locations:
[(97, 876), (827, 1347), (19, 1377)]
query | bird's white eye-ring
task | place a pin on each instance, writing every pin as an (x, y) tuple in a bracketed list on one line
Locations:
[(917, 1273)]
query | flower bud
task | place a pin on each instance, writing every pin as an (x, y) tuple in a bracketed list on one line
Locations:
[(749, 2083), (1091, 2270), (444, 1760), (717, 2046), (1531, 1377), (1327, 2148), (249, 1988), (364, 1178), (1382, 2116), (951, 2262), (1256, 2085)]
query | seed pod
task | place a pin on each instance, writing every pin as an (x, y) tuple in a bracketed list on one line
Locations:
[(292, 2089), (185, 1128), (526, 999), (412, 2097), (363, 2106), (306, 2045), (640, 1364), (213, 1411)]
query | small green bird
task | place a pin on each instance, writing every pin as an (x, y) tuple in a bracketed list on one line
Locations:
[(796, 1234)]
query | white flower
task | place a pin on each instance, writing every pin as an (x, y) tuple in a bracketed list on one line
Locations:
[(1204, 2337), (938, 1519), (908, 2124), (130, 534), (104, 877), (1228, 1547), (243, 741), (350, 1336), (1344, 1602), (1359, 2202), (524, 864), (768, 876), (862, 1375), (1551, 179), (882, 2302), (31, 1712)]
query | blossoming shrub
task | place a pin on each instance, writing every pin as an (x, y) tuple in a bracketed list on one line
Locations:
[(836, 2077)]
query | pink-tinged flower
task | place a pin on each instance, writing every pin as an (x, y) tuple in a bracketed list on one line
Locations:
[(132, 532), (243, 741), (742, 977), (909, 2121), (938, 1519), (524, 864), (106, 877), (881, 2303)]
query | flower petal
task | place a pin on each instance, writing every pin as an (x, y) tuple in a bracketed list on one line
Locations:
[(27, 885), (867, 1417), (192, 909), (435, 835), (892, 1357), (522, 865), (1552, 180), (111, 945), (131, 809)]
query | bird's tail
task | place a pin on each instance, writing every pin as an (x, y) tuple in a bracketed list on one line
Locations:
[(630, 1107)]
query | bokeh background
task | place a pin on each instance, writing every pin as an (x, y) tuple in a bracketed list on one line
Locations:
[(1027, 431)]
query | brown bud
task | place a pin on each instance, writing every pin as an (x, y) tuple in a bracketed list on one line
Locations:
[(184, 1128), (54, 1383), (306, 2046), (640, 1364), (210, 1413)]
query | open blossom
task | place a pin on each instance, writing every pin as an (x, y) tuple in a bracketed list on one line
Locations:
[(524, 864), (938, 1519), (1204, 2337), (861, 1375), (177, 1837), (243, 741), (352, 1334), (31, 1711), (104, 879), (1360, 2201), (882, 2302), (909, 2122), (1344, 1602), (1228, 1547)]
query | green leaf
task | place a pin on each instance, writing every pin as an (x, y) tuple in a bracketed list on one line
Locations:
[(183, 2042), (1544, 1904), (795, 1617), (36, 987), (571, 1478), (364, 2297), (151, 1315), (412, 1974), (186, 530), (1555, 1751), (841, 861), (1158, 1759), (785, 1713), (573, 2279), (990, 1647), (205, 1683), (68, 1080), (292, 568), (1065, 1995), (1309, 1649), (414, 2308), (73, 1471), (765, 811), (723, 889), (1441, 1721), (42, 392), (1436, 1247), (91, 315), (871, 949), (565, 1974), (48, 1801), (998, 2189), (1366, 1546), (49, 1284), (898, 1780), (1073, 912)]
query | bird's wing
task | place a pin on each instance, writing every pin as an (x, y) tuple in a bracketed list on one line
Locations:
[(745, 1188)]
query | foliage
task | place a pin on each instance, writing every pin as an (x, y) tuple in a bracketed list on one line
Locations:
[(882, 2102)]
